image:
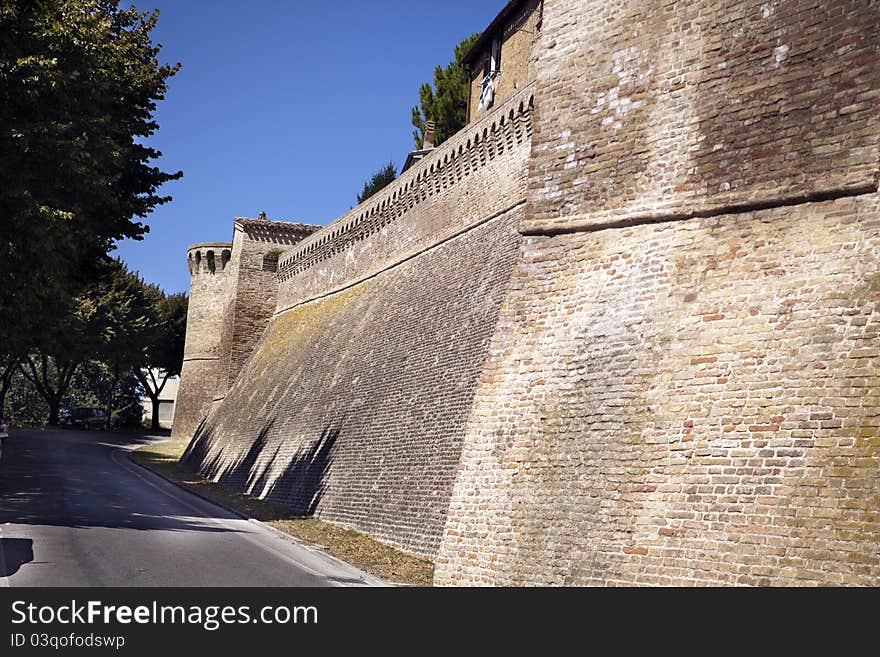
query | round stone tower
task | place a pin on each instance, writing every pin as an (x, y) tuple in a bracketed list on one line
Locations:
[(208, 263)]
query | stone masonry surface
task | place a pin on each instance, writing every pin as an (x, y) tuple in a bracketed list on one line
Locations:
[(232, 297), (361, 385), (201, 370), (251, 294), (622, 329), (692, 402), (649, 107), (471, 177), (353, 407)]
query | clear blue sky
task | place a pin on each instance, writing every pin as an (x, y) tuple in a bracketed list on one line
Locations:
[(286, 107)]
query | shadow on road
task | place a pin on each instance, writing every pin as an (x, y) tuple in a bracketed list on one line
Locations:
[(14, 553), (70, 479)]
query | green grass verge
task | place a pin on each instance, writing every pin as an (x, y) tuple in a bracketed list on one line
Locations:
[(347, 544)]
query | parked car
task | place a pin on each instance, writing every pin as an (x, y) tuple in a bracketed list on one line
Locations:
[(84, 417)]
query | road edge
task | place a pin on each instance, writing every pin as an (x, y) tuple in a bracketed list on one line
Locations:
[(370, 580)]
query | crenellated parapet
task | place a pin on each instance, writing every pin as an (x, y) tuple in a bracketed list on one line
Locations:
[(456, 160), (208, 257), (277, 232), (477, 174)]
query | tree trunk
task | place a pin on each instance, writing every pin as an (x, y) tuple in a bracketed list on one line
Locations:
[(110, 392), (54, 409), (154, 422), (153, 392), (5, 386), (42, 382)]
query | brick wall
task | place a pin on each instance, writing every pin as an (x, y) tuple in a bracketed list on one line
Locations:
[(252, 292), (474, 175), (654, 108), (692, 402), (202, 373), (354, 401), (353, 406), (671, 379), (682, 385)]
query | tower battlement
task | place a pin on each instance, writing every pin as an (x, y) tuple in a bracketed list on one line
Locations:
[(233, 288), (208, 257)]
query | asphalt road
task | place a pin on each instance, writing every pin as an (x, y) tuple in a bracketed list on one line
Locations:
[(74, 511)]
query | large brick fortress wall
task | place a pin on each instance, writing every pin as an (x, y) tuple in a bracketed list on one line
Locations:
[(681, 403), (252, 290), (623, 329), (354, 403), (683, 384), (233, 290)]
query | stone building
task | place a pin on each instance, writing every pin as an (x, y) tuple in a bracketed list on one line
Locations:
[(503, 59), (621, 329)]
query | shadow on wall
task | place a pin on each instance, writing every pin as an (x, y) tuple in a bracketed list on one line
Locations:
[(298, 485), (304, 480), (195, 453)]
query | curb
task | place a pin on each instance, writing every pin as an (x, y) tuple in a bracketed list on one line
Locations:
[(373, 579)]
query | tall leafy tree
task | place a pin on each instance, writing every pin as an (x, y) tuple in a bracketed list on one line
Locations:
[(121, 325), (24, 405), (8, 366), (383, 177), (111, 322), (446, 103), (164, 354), (59, 347), (79, 83)]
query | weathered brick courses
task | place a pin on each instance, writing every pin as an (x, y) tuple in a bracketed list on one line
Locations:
[(692, 402), (252, 288), (353, 406), (354, 403), (202, 373), (651, 108), (635, 344)]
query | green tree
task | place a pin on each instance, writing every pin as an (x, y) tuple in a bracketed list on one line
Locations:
[(79, 83), (25, 407), (383, 177), (8, 366), (109, 322), (446, 103), (101, 346), (164, 354), (121, 325), (59, 345), (51, 375)]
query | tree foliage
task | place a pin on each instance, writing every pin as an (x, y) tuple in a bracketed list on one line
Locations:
[(446, 103), (163, 356), (106, 344), (79, 82), (383, 177), (122, 322)]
